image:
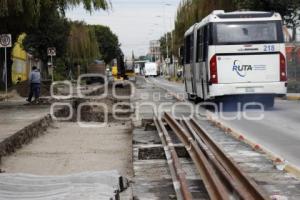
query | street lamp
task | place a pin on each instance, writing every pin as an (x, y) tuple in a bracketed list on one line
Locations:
[(164, 4)]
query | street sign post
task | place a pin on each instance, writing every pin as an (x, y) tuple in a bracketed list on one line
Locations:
[(168, 60), (5, 42), (51, 51)]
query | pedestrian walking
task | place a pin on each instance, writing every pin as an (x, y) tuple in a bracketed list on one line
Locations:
[(35, 84)]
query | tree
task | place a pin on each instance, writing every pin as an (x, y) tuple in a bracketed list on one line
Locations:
[(163, 46), (108, 43), (52, 30), (82, 45), (191, 11), (17, 16), (292, 17)]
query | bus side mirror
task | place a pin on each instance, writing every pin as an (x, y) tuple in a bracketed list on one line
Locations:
[(181, 55)]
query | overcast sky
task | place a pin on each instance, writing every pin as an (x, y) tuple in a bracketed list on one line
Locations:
[(136, 22)]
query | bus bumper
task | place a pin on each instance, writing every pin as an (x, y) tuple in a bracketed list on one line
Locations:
[(274, 88)]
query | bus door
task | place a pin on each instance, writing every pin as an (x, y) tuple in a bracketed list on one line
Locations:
[(201, 59)]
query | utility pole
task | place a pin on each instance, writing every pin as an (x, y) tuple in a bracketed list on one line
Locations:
[(5, 66), (52, 76), (5, 42), (167, 46), (51, 51)]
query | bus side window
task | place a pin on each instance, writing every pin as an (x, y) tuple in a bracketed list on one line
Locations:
[(191, 48), (205, 42), (181, 55), (200, 45), (187, 50)]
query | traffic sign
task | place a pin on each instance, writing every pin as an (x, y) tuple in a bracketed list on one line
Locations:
[(5, 41), (168, 60), (51, 51)]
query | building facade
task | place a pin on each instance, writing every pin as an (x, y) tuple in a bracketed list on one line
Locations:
[(154, 51)]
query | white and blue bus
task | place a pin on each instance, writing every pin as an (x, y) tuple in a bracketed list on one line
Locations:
[(236, 54)]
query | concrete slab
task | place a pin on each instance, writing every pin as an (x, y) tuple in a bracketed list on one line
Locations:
[(82, 186), (67, 149), (15, 115)]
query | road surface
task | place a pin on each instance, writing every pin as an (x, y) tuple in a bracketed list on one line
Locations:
[(278, 131)]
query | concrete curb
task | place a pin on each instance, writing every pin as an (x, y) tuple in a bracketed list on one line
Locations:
[(24, 136), (292, 98), (278, 161)]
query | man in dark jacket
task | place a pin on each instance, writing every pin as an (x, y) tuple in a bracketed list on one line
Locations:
[(35, 84)]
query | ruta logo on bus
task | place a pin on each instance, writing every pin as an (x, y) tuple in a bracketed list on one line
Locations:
[(240, 69)]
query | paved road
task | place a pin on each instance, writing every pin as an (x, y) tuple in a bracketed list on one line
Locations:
[(278, 131)]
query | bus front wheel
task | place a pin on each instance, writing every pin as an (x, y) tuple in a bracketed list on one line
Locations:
[(191, 97)]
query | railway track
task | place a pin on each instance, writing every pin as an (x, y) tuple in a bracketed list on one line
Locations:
[(222, 177)]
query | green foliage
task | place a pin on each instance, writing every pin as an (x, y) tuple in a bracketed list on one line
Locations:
[(17, 7), (163, 46), (192, 11), (19, 16), (108, 43), (51, 31), (61, 70), (82, 44)]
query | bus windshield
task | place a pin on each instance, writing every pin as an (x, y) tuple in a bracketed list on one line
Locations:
[(248, 32)]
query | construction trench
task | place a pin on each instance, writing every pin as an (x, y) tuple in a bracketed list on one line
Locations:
[(126, 159)]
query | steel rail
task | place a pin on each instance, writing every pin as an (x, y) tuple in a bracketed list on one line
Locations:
[(214, 186), (178, 175), (228, 181), (248, 189)]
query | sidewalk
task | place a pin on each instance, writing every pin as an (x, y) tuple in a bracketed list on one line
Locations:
[(15, 115), (19, 123)]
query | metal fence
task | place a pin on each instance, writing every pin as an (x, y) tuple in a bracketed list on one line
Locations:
[(293, 71)]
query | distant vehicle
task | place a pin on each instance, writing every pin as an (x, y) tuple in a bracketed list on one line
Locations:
[(151, 69), (236, 54), (137, 69), (115, 73)]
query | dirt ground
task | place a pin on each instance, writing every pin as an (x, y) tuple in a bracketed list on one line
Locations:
[(66, 148)]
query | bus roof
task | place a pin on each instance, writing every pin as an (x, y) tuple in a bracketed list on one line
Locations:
[(190, 30), (236, 16)]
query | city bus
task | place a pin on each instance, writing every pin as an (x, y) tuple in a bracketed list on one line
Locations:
[(236, 54)]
